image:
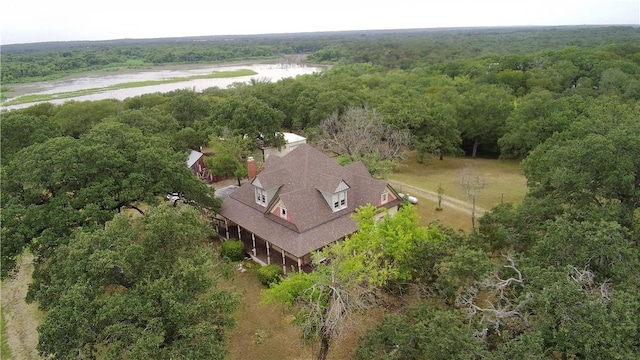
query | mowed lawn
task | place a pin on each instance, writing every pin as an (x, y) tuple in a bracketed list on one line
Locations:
[(504, 183)]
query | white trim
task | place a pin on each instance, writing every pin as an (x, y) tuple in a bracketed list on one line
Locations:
[(342, 186), (261, 197), (339, 201)]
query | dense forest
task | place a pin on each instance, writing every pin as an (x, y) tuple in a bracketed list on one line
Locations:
[(390, 48), (555, 277)]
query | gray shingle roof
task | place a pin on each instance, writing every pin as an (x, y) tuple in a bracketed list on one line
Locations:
[(299, 177)]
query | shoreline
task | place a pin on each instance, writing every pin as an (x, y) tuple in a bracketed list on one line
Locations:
[(36, 98), (22, 89)]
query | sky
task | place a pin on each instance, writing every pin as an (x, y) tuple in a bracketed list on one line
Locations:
[(27, 21)]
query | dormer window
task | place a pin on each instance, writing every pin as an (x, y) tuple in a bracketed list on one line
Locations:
[(261, 196), (339, 200), (336, 197)]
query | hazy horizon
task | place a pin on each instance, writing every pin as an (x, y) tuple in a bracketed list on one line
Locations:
[(71, 20)]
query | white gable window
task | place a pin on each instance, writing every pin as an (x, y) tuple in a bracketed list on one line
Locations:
[(385, 198), (261, 196), (283, 212), (339, 200)]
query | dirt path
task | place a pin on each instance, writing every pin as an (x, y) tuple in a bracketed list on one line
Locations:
[(21, 319), (447, 201)]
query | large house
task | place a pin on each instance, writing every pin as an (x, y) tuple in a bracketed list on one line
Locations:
[(300, 203)]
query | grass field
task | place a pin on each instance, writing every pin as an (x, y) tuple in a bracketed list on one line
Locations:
[(454, 219), (504, 183), (504, 179)]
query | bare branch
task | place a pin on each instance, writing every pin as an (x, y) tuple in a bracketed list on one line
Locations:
[(362, 131), (584, 278), (472, 183), (495, 287)]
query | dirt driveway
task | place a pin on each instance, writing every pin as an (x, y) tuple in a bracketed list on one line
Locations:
[(448, 201)]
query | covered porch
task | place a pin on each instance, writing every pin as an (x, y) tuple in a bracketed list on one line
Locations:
[(260, 250)]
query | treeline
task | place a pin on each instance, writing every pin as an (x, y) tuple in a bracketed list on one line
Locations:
[(568, 255), (390, 48)]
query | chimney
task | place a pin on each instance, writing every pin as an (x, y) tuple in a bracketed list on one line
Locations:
[(251, 167)]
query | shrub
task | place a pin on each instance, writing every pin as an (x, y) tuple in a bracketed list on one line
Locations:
[(270, 274), (232, 250)]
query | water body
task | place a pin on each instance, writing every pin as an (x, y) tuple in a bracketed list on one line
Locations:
[(265, 72)]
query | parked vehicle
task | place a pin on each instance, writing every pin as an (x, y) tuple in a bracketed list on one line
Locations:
[(411, 199), (174, 197)]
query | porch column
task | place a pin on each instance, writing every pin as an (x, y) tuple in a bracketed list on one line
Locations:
[(284, 265), (253, 242), (226, 227), (268, 254), (299, 265), (239, 234)]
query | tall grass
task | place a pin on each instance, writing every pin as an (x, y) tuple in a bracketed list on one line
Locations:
[(5, 352)]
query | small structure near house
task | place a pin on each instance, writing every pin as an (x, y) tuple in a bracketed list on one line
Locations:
[(300, 203), (195, 162), (292, 141)]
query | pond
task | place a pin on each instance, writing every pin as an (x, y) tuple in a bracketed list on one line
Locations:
[(264, 72)]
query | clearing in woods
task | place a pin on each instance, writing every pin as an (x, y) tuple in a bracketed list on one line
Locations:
[(266, 332)]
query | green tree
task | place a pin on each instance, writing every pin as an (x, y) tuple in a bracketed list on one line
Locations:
[(515, 79), (51, 188), (356, 268), (537, 116), (187, 107), (434, 127), (155, 100), (149, 121), (579, 317), (78, 117), (576, 167), (614, 80), (189, 138), (250, 117), (229, 156), (424, 332), (601, 247), (323, 301), (20, 130), (483, 111), (459, 269), (139, 288)]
